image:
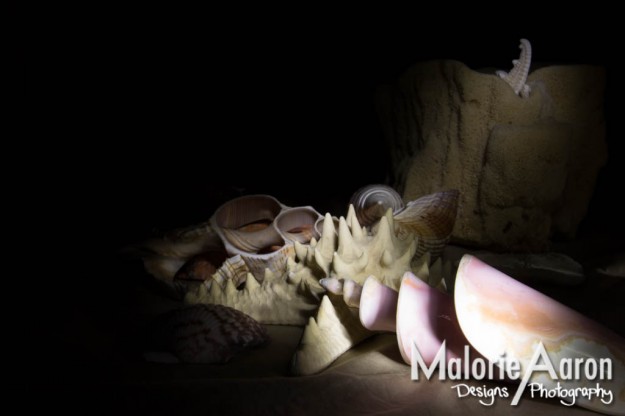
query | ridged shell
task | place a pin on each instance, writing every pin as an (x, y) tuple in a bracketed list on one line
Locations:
[(371, 203), (208, 334), (431, 218)]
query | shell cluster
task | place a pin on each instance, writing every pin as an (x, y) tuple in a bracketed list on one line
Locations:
[(274, 263), (430, 218), (207, 334), (262, 231)]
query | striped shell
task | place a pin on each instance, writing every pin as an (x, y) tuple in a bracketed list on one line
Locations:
[(208, 334), (431, 218), (371, 203)]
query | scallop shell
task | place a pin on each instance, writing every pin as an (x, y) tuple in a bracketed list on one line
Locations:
[(208, 334), (371, 203)]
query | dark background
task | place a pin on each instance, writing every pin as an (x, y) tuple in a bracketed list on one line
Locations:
[(182, 122)]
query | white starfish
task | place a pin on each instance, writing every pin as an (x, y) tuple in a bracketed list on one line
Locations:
[(518, 74)]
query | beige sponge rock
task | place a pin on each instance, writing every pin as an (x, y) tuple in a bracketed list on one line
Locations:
[(525, 166)]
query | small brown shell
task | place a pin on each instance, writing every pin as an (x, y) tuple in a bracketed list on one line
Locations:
[(202, 266), (208, 334)]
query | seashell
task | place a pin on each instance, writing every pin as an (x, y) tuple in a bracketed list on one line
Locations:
[(554, 268), (319, 225), (378, 306), (244, 223), (342, 260), (431, 219), (262, 231), (208, 334), (352, 253), (181, 243), (202, 266), (286, 298), (332, 285), (298, 224), (427, 317), (274, 258), (371, 203), (162, 268), (352, 292), (614, 266), (163, 257), (499, 314), (335, 330), (233, 269)]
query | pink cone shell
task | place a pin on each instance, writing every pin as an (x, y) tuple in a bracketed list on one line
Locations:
[(499, 314)]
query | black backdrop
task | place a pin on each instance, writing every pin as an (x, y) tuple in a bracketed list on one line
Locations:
[(181, 121)]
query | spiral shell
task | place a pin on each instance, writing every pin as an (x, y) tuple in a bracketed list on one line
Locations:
[(207, 334), (372, 201)]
